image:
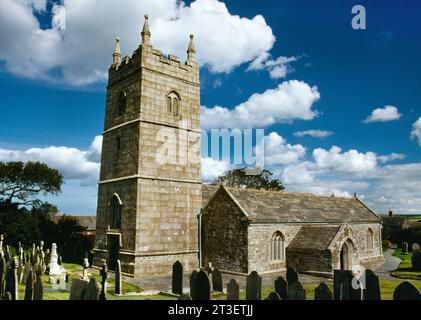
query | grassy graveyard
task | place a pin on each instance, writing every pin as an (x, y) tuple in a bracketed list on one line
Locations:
[(405, 270)]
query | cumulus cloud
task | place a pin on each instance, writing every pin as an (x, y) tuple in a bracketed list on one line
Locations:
[(212, 169), (388, 113), (416, 131), (278, 68), (391, 157), (278, 152), (81, 53), (291, 100), (314, 133)]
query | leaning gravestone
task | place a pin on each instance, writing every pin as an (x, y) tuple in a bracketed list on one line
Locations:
[(118, 280), (177, 278), (371, 288), (92, 290), (253, 286), (184, 296), (38, 288), (273, 296), (77, 289), (281, 288), (203, 287), (233, 290), (292, 275), (217, 281), (192, 283), (406, 291), (296, 291), (322, 292), (29, 287)]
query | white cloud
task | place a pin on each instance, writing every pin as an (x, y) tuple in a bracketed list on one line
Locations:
[(278, 68), (279, 152), (212, 169), (416, 131), (81, 54), (314, 133), (388, 113), (291, 100), (391, 157)]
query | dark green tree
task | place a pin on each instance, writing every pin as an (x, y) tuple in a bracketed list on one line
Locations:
[(242, 178), (22, 183)]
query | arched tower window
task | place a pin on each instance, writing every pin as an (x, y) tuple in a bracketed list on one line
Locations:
[(173, 103), (115, 206), (277, 247), (370, 239), (122, 100)]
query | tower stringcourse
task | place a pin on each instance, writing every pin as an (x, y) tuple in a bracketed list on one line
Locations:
[(149, 191)]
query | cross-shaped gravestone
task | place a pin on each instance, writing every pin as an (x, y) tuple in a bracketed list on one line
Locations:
[(203, 288), (177, 278), (233, 290), (217, 281), (253, 286), (281, 288)]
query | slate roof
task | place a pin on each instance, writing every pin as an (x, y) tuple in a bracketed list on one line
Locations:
[(284, 207), (314, 237)]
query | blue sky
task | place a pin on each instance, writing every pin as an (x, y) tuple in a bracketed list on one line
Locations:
[(53, 87)]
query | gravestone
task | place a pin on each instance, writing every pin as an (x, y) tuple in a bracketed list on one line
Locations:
[(92, 290), (7, 296), (29, 287), (253, 286), (371, 290), (322, 292), (26, 270), (415, 247), (273, 296), (104, 277), (296, 291), (416, 261), (192, 282), (184, 296), (406, 291), (292, 275), (85, 269), (203, 286), (177, 278), (217, 281), (3, 268), (38, 288), (1, 243), (118, 280), (233, 290), (343, 279), (56, 272), (281, 288), (77, 289), (15, 285), (405, 247)]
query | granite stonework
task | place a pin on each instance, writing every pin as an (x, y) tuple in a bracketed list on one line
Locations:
[(151, 162)]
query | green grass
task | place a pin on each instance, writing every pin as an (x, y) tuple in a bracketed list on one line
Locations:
[(405, 268)]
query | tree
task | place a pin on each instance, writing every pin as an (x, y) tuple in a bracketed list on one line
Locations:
[(239, 178), (22, 183)]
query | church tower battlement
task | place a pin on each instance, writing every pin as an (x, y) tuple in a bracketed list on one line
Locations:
[(149, 191)]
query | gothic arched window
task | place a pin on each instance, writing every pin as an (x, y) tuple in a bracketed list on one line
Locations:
[(122, 100), (173, 104), (370, 239), (115, 206), (277, 247)]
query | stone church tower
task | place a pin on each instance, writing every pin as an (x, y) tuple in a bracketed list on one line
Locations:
[(150, 185)]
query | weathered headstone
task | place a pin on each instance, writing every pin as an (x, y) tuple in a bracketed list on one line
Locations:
[(233, 290), (29, 286), (281, 288), (85, 269), (92, 290), (1, 243), (26, 270), (38, 288), (292, 275), (406, 291), (77, 289), (104, 277), (342, 286), (253, 286), (322, 292), (15, 285), (203, 287), (177, 278), (416, 261), (3, 268), (371, 286), (184, 296), (118, 279), (217, 281), (273, 296), (192, 283), (296, 291)]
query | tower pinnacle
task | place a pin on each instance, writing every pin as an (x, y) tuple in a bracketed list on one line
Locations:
[(146, 32), (117, 53), (191, 50)]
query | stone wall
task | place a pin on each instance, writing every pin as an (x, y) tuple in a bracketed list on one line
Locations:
[(315, 261), (225, 234)]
